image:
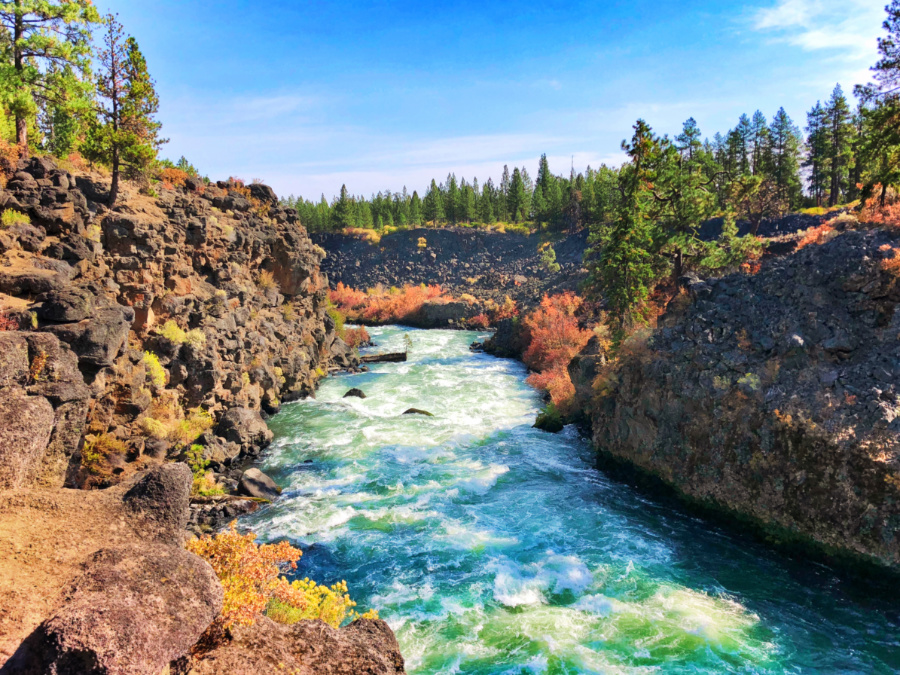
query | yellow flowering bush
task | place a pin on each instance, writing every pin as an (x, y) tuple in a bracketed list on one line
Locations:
[(249, 573)]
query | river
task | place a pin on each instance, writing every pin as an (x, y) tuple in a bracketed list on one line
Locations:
[(492, 547)]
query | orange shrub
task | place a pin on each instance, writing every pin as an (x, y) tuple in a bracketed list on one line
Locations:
[(479, 322), (346, 299), (384, 306), (873, 212), (174, 177), (557, 383), (355, 337), (248, 571), (507, 310), (815, 235), (553, 339), (891, 265)]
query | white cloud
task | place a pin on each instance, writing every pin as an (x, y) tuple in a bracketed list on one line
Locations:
[(849, 26)]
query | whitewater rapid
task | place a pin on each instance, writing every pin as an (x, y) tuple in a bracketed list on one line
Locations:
[(492, 547)]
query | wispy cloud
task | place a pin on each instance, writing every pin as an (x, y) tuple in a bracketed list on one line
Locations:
[(848, 26)]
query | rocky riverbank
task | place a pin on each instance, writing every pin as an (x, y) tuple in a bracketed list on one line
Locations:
[(771, 397), (158, 331)]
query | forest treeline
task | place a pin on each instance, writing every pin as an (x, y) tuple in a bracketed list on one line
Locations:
[(764, 160)]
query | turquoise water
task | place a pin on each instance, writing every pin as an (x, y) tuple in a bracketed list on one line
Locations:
[(491, 547)]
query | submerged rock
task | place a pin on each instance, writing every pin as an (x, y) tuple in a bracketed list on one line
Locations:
[(254, 483), (357, 393), (416, 411)]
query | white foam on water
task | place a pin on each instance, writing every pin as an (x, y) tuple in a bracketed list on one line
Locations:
[(599, 604), (484, 479), (482, 547)]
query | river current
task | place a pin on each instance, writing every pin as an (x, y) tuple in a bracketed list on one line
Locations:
[(492, 547)]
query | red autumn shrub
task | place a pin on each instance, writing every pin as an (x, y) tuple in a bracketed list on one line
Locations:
[(553, 339), (346, 299), (174, 177), (355, 337), (384, 306), (478, 322), (873, 212), (557, 383), (8, 323), (815, 235)]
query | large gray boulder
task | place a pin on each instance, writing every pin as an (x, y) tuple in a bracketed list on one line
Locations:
[(99, 339), (365, 647), (24, 435), (66, 305), (246, 428), (254, 483), (161, 497), (133, 610)]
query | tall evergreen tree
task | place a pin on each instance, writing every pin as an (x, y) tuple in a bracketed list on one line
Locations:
[(879, 147), (785, 142), (126, 132), (502, 208), (839, 132), (683, 200), (433, 206), (743, 140), (759, 136), (415, 209), (689, 139), (40, 34), (342, 211), (486, 203), (817, 152), (620, 259)]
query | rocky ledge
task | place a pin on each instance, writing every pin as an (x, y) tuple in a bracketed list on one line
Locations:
[(205, 298), (131, 340), (772, 397)]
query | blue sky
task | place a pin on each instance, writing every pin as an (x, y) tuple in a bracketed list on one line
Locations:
[(378, 95)]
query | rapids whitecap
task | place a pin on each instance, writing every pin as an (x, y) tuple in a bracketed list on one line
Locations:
[(492, 547)]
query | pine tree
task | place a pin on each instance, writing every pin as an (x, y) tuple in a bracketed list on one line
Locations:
[(415, 209), (839, 141), (486, 203), (879, 146), (451, 205), (785, 142), (516, 199), (682, 199), (744, 140), (126, 133), (433, 206), (689, 139), (620, 259), (759, 136), (342, 210), (48, 62), (817, 151), (502, 208)]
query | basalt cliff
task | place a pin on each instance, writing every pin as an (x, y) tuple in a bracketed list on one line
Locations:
[(771, 397), (131, 337)]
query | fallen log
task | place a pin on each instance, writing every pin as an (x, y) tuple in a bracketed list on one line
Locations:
[(394, 357)]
